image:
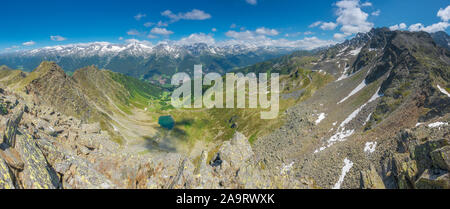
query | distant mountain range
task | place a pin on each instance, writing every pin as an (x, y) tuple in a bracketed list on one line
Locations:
[(142, 60)]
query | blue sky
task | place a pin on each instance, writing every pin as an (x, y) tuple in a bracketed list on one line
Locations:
[(33, 24)]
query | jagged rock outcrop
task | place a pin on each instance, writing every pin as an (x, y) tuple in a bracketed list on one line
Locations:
[(371, 180), (421, 160)]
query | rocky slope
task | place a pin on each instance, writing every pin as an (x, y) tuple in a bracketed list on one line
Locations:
[(384, 85), (42, 148)]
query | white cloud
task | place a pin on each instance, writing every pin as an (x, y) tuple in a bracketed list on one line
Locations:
[(352, 18), (133, 32), (148, 24), (416, 27), (266, 31), (57, 38), (339, 36), (400, 26), (195, 14), (233, 25), (29, 43), (214, 29), (161, 31), (132, 41), (366, 4), (444, 14), (376, 13), (245, 35), (252, 2), (151, 36), (308, 33), (254, 39), (120, 38), (139, 16), (11, 48), (324, 25), (440, 26), (328, 26), (315, 24), (162, 24), (197, 38)]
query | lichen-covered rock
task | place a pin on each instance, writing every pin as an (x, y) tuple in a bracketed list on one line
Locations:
[(429, 180), (441, 158), (236, 151), (76, 172), (405, 170), (371, 180), (6, 180), (37, 174)]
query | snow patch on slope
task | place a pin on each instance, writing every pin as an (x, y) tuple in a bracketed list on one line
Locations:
[(356, 51), (443, 91), (347, 166), (437, 124), (321, 117), (356, 90), (342, 134), (370, 147)]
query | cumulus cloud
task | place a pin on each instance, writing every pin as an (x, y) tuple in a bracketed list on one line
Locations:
[(214, 29), (133, 32), (136, 41), (366, 4), (57, 38), (400, 26), (161, 31), (197, 38), (315, 24), (339, 36), (376, 13), (151, 36), (252, 2), (352, 18), (148, 24), (139, 16), (328, 26), (324, 25), (440, 26), (444, 14), (254, 39), (266, 31), (29, 43), (195, 14)]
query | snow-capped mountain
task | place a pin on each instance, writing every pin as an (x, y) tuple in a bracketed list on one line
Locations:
[(144, 60)]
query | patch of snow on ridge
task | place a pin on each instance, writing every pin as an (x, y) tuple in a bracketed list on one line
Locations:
[(321, 117), (370, 147), (342, 134), (347, 166), (356, 51), (443, 91), (437, 124), (356, 90), (356, 112), (368, 118), (344, 75)]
